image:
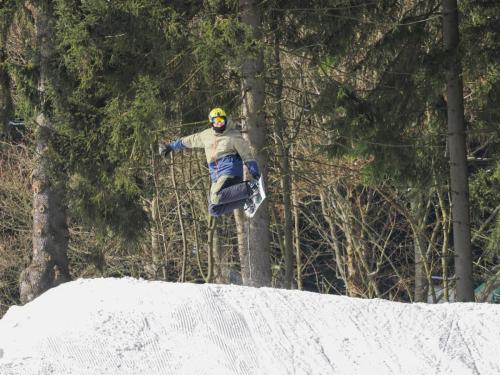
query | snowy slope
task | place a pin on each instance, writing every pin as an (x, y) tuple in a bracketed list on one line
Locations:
[(128, 326)]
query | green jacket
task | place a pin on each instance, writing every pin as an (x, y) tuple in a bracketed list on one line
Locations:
[(225, 152)]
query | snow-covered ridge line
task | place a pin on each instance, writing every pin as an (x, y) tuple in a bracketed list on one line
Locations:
[(129, 326)]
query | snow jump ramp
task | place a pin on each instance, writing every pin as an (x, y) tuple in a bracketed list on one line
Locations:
[(128, 326)]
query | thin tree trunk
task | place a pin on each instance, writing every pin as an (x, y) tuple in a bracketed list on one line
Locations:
[(5, 98), (155, 240), (421, 286), (446, 243), (296, 232), (212, 239), (243, 251), (211, 234), (354, 285), (181, 221), (49, 265), (414, 224), (458, 157), (221, 258), (156, 225), (286, 185), (197, 244), (419, 217), (255, 249), (339, 263)]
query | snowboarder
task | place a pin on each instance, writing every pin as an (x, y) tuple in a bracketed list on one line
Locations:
[(226, 151)]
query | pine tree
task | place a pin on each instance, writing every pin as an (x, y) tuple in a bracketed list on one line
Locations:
[(49, 265), (479, 53), (120, 61), (459, 184)]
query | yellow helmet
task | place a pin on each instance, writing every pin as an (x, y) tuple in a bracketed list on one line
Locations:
[(216, 112)]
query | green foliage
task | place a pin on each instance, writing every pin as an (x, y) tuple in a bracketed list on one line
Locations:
[(480, 31), (383, 94), (494, 239), (19, 58), (484, 189), (127, 67), (15, 220), (6, 14), (485, 198), (117, 65), (388, 106)]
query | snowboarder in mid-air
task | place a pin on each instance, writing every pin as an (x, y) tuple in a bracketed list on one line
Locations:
[(226, 151)]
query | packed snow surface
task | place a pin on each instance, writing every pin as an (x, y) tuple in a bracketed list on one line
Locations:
[(129, 326)]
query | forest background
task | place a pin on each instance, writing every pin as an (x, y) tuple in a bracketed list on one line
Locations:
[(344, 102)]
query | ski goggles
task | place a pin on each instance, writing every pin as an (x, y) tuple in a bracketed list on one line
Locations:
[(218, 121)]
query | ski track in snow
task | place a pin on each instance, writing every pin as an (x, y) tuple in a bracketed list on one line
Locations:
[(128, 326)]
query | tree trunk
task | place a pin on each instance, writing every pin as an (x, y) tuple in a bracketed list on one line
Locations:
[(286, 185), (154, 267), (213, 241), (49, 266), (5, 98), (417, 210), (458, 157), (445, 218), (158, 247), (182, 277), (254, 249), (296, 230), (355, 286), (222, 270), (334, 242)]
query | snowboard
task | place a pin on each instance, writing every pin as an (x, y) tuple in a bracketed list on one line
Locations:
[(256, 200)]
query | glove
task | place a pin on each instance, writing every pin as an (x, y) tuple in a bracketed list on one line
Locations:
[(253, 168), (164, 149)]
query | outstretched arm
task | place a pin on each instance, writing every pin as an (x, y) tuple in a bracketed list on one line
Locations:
[(191, 141)]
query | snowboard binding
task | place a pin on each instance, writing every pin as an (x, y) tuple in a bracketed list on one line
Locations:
[(255, 200)]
